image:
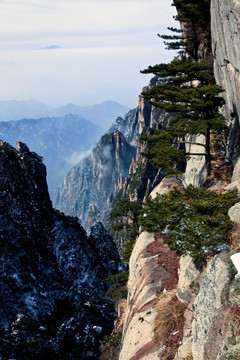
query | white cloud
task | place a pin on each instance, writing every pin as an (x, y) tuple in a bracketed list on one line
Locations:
[(39, 20), (105, 45)]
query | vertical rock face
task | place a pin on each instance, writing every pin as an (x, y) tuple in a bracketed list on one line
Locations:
[(88, 186), (144, 116), (153, 268), (216, 312), (51, 273), (225, 24), (115, 165)]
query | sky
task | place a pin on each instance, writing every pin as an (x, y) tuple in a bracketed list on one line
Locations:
[(80, 51)]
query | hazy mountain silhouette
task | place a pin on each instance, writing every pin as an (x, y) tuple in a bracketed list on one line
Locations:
[(101, 114)]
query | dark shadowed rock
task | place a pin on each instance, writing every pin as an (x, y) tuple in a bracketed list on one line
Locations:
[(51, 274)]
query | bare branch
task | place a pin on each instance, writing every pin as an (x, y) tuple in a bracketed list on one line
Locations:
[(196, 154)]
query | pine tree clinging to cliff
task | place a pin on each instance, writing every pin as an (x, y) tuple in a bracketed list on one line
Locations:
[(185, 91)]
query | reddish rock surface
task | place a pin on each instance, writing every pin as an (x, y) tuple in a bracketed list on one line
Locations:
[(153, 269)]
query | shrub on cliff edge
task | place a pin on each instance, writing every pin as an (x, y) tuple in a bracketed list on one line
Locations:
[(194, 219)]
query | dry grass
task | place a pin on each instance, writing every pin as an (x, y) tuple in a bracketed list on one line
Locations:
[(168, 324), (189, 356), (235, 238), (122, 309)]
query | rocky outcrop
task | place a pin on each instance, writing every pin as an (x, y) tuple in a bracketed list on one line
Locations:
[(143, 117), (142, 176), (210, 297), (52, 301), (153, 270)]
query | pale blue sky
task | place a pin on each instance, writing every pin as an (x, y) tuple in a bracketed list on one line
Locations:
[(104, 45)]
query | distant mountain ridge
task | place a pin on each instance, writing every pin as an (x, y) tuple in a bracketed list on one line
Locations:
[(92, 186), (60, 140), (103, 114), (15, 110)]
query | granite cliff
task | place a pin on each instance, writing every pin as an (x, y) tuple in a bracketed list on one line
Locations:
[(89, 187), (114, 168), (202, 298), (197, 300), (52, 302)]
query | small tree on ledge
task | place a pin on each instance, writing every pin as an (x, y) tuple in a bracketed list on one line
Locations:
[(187, 90)]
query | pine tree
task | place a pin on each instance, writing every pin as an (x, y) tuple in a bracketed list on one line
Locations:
[(187, 90), (195, 15)]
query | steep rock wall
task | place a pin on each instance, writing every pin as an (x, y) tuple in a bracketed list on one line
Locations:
[(225, 25), (153, 269), (115, 167), (89, 186), (210, 296)]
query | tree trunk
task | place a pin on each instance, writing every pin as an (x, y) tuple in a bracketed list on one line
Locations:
[(208, 154)]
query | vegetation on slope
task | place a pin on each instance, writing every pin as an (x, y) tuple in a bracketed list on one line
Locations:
[(194, 220)]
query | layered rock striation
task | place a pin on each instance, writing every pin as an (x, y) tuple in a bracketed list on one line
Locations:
[(51, 273)]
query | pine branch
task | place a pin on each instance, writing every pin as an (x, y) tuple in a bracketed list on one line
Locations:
[(190, 143)]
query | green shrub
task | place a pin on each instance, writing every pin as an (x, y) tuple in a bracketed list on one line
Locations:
[(194, 219), (124, 217), (118, 285)]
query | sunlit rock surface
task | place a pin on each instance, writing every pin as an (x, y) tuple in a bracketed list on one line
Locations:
[(153, 269), (225, 27)]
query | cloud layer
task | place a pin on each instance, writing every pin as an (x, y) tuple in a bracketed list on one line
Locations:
[(104, 44)]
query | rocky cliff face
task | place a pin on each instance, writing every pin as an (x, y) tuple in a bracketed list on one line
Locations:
[(180, 308), (51, 274), (143, 117), (225, 44), (114, 168), (209, 328), (90, 186), (142, 176)]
